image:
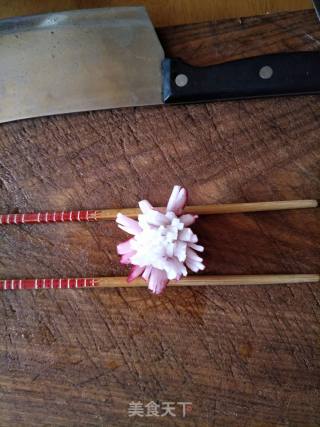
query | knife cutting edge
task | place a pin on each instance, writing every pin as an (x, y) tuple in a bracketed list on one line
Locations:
[(111, 57)]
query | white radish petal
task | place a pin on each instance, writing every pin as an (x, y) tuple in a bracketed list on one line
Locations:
[(158, 281), (130, 225), (145, 206), (135, 272), (198, 248), (173, 198), (124, 247), (180, 202), (188, 219), (180, 250), (156, 218), (191, 254), (147, 272)]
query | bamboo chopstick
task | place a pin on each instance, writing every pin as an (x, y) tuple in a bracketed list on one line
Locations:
[(121, 281), (230, 280), (110, 214)]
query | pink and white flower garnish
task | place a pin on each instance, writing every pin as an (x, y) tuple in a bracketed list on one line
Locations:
[(162, 245)]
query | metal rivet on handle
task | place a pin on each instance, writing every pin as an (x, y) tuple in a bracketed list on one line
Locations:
[(181, 80), (266, 72)]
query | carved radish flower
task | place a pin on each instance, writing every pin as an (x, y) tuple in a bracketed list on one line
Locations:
[(162, 245)]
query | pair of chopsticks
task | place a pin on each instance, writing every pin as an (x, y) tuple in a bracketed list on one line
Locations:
[(119, 282)]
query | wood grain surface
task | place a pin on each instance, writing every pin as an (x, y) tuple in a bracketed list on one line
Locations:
[(243, 356), (162, 12)]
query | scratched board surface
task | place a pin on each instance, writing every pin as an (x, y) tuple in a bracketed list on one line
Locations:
[(242, 356)]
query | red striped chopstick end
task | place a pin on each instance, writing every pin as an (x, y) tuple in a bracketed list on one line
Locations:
[(71, 283)]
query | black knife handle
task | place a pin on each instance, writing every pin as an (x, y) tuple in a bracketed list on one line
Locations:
[(293, 73)]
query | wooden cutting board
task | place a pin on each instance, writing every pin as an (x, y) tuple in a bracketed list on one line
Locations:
[(242, 356)]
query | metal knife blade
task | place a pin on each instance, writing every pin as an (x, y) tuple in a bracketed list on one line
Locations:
[(78, 61)]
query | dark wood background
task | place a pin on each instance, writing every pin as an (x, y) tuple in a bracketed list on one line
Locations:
[(243, 356)]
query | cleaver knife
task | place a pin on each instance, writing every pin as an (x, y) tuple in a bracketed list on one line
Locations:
[(111, 57)]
